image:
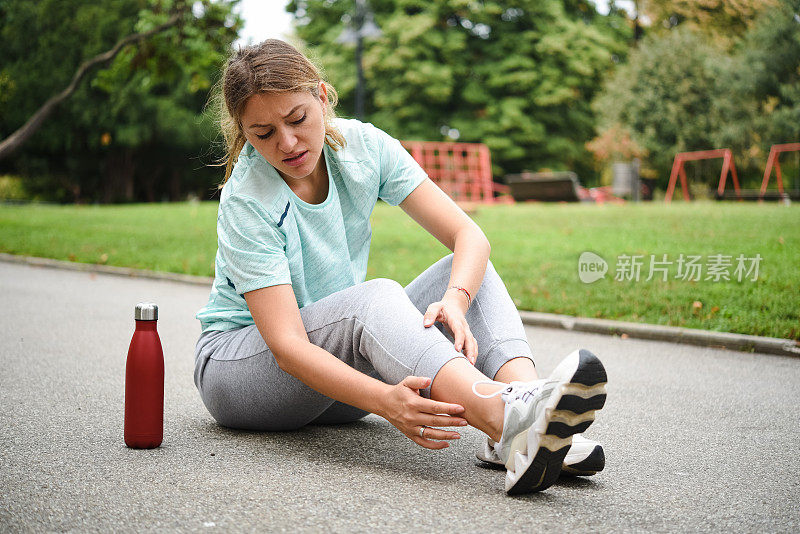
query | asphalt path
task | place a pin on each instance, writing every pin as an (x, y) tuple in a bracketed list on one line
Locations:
[(695, 438)]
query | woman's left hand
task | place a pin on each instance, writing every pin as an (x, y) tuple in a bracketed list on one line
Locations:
[(451, 315)]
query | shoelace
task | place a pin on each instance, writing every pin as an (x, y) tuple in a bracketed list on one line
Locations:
[(508, 389), (511, 388)]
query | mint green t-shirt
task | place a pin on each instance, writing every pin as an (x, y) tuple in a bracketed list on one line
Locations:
[(266, 235)]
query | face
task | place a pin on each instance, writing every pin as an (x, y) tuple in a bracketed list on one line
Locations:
[(288, 129)]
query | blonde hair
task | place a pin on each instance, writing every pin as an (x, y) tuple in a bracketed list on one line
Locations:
[(272, 66)]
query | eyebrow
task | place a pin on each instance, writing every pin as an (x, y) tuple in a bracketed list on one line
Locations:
[(285, 117)]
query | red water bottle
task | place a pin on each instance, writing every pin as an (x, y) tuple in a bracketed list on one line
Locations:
[(144, 382)]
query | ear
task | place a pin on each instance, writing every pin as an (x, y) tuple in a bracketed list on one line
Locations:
[(323, 94)]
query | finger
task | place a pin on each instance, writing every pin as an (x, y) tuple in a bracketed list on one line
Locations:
[(439, 434), (466, 343), (471, 346), (428, 444), (473, 351), (431, 314), (438, 407), (447, 328), (416, 382), (442, 420), (459, 337)]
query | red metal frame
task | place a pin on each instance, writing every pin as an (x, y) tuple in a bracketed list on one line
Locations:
[(682, 157), (772, 160), (462, 170)]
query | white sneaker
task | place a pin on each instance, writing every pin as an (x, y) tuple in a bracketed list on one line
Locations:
[(584, 458), (541, 417)]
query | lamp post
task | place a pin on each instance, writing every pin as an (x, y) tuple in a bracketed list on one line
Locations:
[(358, 27)]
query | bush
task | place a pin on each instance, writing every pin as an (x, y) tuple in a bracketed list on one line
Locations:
[(12, 188), (683, 91), (663, 97)]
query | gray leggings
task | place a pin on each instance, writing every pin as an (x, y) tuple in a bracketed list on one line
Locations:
[(374, 327)]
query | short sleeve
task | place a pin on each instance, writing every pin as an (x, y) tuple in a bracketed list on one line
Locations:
[(252, 247), (399, 173)]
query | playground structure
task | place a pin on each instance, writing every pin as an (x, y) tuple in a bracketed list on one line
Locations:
[(728, 166), (462, 170), (772, 160), (678, 169)]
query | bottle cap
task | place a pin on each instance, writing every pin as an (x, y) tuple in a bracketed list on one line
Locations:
[(146, 311)]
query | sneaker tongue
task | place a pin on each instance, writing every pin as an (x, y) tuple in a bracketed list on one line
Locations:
[(518, 389), (533, 384)]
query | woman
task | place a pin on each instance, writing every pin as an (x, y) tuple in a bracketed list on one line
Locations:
[(293, 335)]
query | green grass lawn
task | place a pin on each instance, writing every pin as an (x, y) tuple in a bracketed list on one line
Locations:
[(535, 248)]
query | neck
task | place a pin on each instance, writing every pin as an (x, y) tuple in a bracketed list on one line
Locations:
[(314, 187), (320, 173)]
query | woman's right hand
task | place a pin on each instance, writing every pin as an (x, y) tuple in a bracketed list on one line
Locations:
[(406, 409)]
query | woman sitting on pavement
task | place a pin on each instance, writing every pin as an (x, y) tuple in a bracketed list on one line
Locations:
[(292, 334)]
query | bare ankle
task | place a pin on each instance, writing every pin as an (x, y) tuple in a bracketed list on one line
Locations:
[(517, 369), (494, 423), (496, 432)]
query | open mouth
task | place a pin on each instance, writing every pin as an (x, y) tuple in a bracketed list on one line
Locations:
[(295, 159)]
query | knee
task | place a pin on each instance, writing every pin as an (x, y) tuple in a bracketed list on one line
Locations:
[(384, 292), (385, 284), (382, 288)]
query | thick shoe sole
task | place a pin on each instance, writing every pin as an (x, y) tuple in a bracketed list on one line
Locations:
[(539, 452), (591, 465)]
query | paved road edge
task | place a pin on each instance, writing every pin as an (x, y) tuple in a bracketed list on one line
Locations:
[(106, 269), (674, 334)]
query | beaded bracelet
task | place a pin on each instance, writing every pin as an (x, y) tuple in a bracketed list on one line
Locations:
[(469, 299)]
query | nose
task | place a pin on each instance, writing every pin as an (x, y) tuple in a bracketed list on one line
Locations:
[(286, 141)]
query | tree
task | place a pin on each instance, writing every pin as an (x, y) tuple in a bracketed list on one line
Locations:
[(518, 76), (762, 104), (681, 92), (724, 20), (132, 130), (15, 140), (664, 96)]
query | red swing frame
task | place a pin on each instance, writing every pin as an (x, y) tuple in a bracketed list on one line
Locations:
[(772, 161), (678, 169)]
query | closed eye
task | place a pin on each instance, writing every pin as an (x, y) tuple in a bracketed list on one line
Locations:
[(295, 123)]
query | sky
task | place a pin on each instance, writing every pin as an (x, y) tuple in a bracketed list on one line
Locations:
[(265, 19), (602, 5)]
